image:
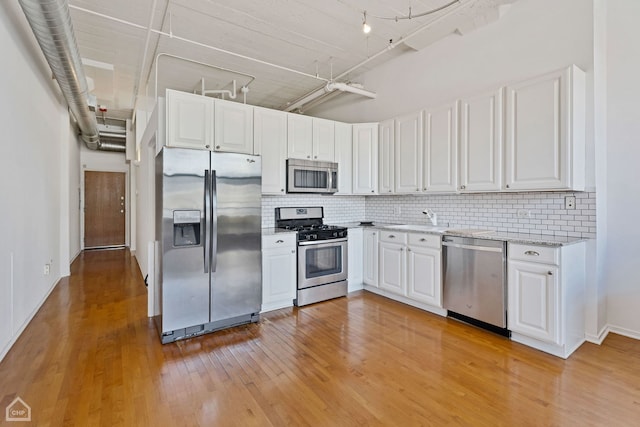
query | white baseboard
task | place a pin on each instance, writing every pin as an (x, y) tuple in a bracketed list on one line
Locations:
[(26, 323), (624, 331), (598, 339)]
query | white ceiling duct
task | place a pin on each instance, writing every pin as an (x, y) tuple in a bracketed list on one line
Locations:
[(50, 22), (329, 88)]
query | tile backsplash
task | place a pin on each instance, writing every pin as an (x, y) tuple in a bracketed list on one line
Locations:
[(337, 209), (537, 213)]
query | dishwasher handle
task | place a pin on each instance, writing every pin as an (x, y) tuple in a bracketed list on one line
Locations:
[(471, 247)]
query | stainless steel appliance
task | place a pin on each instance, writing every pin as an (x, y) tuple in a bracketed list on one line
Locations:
[(208, 224), (322, 254), (474, 287), (311, 176)]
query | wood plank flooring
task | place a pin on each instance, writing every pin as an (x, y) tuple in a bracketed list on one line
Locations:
[(91, 357)]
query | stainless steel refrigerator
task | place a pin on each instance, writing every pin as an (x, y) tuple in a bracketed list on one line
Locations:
[(208, 224)]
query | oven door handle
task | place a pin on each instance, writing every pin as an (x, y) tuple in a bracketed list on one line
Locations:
[(322, 242)]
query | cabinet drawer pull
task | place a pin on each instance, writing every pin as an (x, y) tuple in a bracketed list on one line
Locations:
[(532, 253), (279, 241), (391, 236)]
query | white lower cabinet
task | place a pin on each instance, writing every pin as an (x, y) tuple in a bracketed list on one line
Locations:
[(278, 271), (409, 269), (392, 260), (546, 296), (370, 257), (424, 272), (355, 258)]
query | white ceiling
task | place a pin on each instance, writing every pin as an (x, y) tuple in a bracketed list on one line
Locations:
[(312, 37)]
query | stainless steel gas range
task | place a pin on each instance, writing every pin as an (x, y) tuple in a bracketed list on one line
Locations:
[(322, 254)]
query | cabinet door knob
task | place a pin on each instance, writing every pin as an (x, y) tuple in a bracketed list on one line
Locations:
[(507, 185), (423, 240), (315, 157), (408, 249), (424, 189), (282, 190), (217, 147), (308, 157), (293, 251), (417, 189), (550, 273), (532, 253), (207, 146), (372, 191), (462, 187)]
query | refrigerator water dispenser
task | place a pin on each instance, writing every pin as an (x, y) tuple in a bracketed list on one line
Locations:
[(186, 228)]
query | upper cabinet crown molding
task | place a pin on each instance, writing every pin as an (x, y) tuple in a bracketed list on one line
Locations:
[(545, 132)]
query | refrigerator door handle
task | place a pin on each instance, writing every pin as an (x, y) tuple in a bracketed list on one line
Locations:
[(207, 218), (214, 222)]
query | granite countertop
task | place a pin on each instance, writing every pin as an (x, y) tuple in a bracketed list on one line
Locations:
[(522, 238)]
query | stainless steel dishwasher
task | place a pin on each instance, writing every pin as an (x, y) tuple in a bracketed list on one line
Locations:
[(474, 281)]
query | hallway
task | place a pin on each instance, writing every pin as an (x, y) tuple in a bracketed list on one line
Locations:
[(92, 357)]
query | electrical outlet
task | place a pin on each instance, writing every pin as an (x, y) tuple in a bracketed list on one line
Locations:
[(523, 213), (47, 269), (570, 202), (397, 210)]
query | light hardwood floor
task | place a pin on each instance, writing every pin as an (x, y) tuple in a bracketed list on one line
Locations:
[(91, 357)]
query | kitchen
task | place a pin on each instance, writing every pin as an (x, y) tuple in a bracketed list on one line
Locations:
[(452, 208)]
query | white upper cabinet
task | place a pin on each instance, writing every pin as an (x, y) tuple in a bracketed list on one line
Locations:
[(270, 141), (311, 138), (545, 127), (323, 140), (189, 120), (408, 153), (300, 137), (365, 158), (440, 148), (233, 127), (344, 157), (481, 142), (386, 135)]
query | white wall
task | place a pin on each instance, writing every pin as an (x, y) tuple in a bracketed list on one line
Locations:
[(532, 38), (74, 196), (623, 154), (35, 128)]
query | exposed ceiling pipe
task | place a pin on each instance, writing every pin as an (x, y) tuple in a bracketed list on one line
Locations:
[(51, 24)]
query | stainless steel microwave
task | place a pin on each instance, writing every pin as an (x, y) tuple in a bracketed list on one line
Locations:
[(311, 176)]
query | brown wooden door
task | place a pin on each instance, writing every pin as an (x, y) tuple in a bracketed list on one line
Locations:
[(104, 209)]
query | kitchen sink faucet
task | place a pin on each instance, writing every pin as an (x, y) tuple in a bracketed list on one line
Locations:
[(433, 217)]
